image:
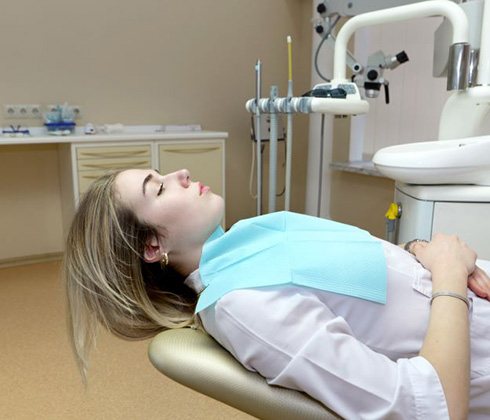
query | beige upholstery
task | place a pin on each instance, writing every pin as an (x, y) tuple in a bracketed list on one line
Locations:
[(195, 360)]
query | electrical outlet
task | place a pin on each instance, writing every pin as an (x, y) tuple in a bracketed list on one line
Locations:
[(75, 108), (10, 111), (22, 111), (34, 111)]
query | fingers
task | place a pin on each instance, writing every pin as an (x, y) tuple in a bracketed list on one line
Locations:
[(445, 250), (417, 246)]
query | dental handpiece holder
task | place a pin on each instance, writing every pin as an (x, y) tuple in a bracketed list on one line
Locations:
[(331, 100)]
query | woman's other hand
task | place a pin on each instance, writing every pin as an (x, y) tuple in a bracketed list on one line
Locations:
[(479, 283)]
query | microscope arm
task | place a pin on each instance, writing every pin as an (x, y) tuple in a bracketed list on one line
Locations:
[(428, 8)]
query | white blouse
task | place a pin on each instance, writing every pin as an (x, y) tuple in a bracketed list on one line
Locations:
[(357, 357)]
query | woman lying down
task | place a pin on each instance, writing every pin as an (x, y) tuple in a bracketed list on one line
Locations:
[(367, 328)]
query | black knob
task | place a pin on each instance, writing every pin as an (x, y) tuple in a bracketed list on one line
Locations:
[(402, 57), (372, 75), (321, 8), (319, 29)]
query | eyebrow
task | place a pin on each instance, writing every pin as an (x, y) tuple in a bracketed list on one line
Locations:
[(148, 179), (145, 181)]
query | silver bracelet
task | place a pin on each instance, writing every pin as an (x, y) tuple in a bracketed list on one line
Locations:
[(451, 294)]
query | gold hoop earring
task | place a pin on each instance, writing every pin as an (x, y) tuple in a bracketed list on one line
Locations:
[(164, 260)]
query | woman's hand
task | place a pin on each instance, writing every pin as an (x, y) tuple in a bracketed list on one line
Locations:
[(441, 247), (479, 283), (445, 251)]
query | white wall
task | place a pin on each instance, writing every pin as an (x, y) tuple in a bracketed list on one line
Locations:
[(416, 98)]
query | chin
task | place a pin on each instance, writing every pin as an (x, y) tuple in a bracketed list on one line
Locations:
[(221, 208)]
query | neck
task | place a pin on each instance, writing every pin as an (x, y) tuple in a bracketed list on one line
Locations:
[(185, 264)]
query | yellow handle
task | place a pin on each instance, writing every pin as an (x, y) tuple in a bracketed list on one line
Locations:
[(393, 212)]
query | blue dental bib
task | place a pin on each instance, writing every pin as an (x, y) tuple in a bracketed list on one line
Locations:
[(289, 248)]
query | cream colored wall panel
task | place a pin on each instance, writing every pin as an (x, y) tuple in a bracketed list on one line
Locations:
[(204, 160)]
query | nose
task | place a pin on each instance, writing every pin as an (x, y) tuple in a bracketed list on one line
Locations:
[(183, 177)]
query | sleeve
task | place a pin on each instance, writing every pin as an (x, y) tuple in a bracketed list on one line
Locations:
[(292, 339)]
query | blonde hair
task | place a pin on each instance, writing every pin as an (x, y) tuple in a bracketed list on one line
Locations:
[(107, 280)]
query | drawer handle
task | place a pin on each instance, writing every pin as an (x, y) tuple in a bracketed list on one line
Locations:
[(90, 176), (109, 165), (113, 154), (192, 151)]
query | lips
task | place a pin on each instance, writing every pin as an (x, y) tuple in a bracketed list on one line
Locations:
[(203, 189)]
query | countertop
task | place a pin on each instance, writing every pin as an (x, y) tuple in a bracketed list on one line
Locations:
[(359, 167), (39, 135)]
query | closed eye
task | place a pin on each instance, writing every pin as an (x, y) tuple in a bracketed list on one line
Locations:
[(160, 190)]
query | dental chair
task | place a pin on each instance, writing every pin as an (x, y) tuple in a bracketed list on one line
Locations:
[(196, 360)]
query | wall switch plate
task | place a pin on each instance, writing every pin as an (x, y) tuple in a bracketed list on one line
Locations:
[(22, 111)]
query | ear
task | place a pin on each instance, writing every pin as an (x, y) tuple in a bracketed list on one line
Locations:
[(153, 250)]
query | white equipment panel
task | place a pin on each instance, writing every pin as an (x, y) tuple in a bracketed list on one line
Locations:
[(462, 210)]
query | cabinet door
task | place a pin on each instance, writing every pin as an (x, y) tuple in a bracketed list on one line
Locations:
[(203, 159), (94, 161)]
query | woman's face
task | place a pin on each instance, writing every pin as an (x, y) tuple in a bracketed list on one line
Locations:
[(184, 211)]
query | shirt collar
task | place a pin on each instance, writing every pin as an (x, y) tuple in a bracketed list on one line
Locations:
[(193, 281)]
